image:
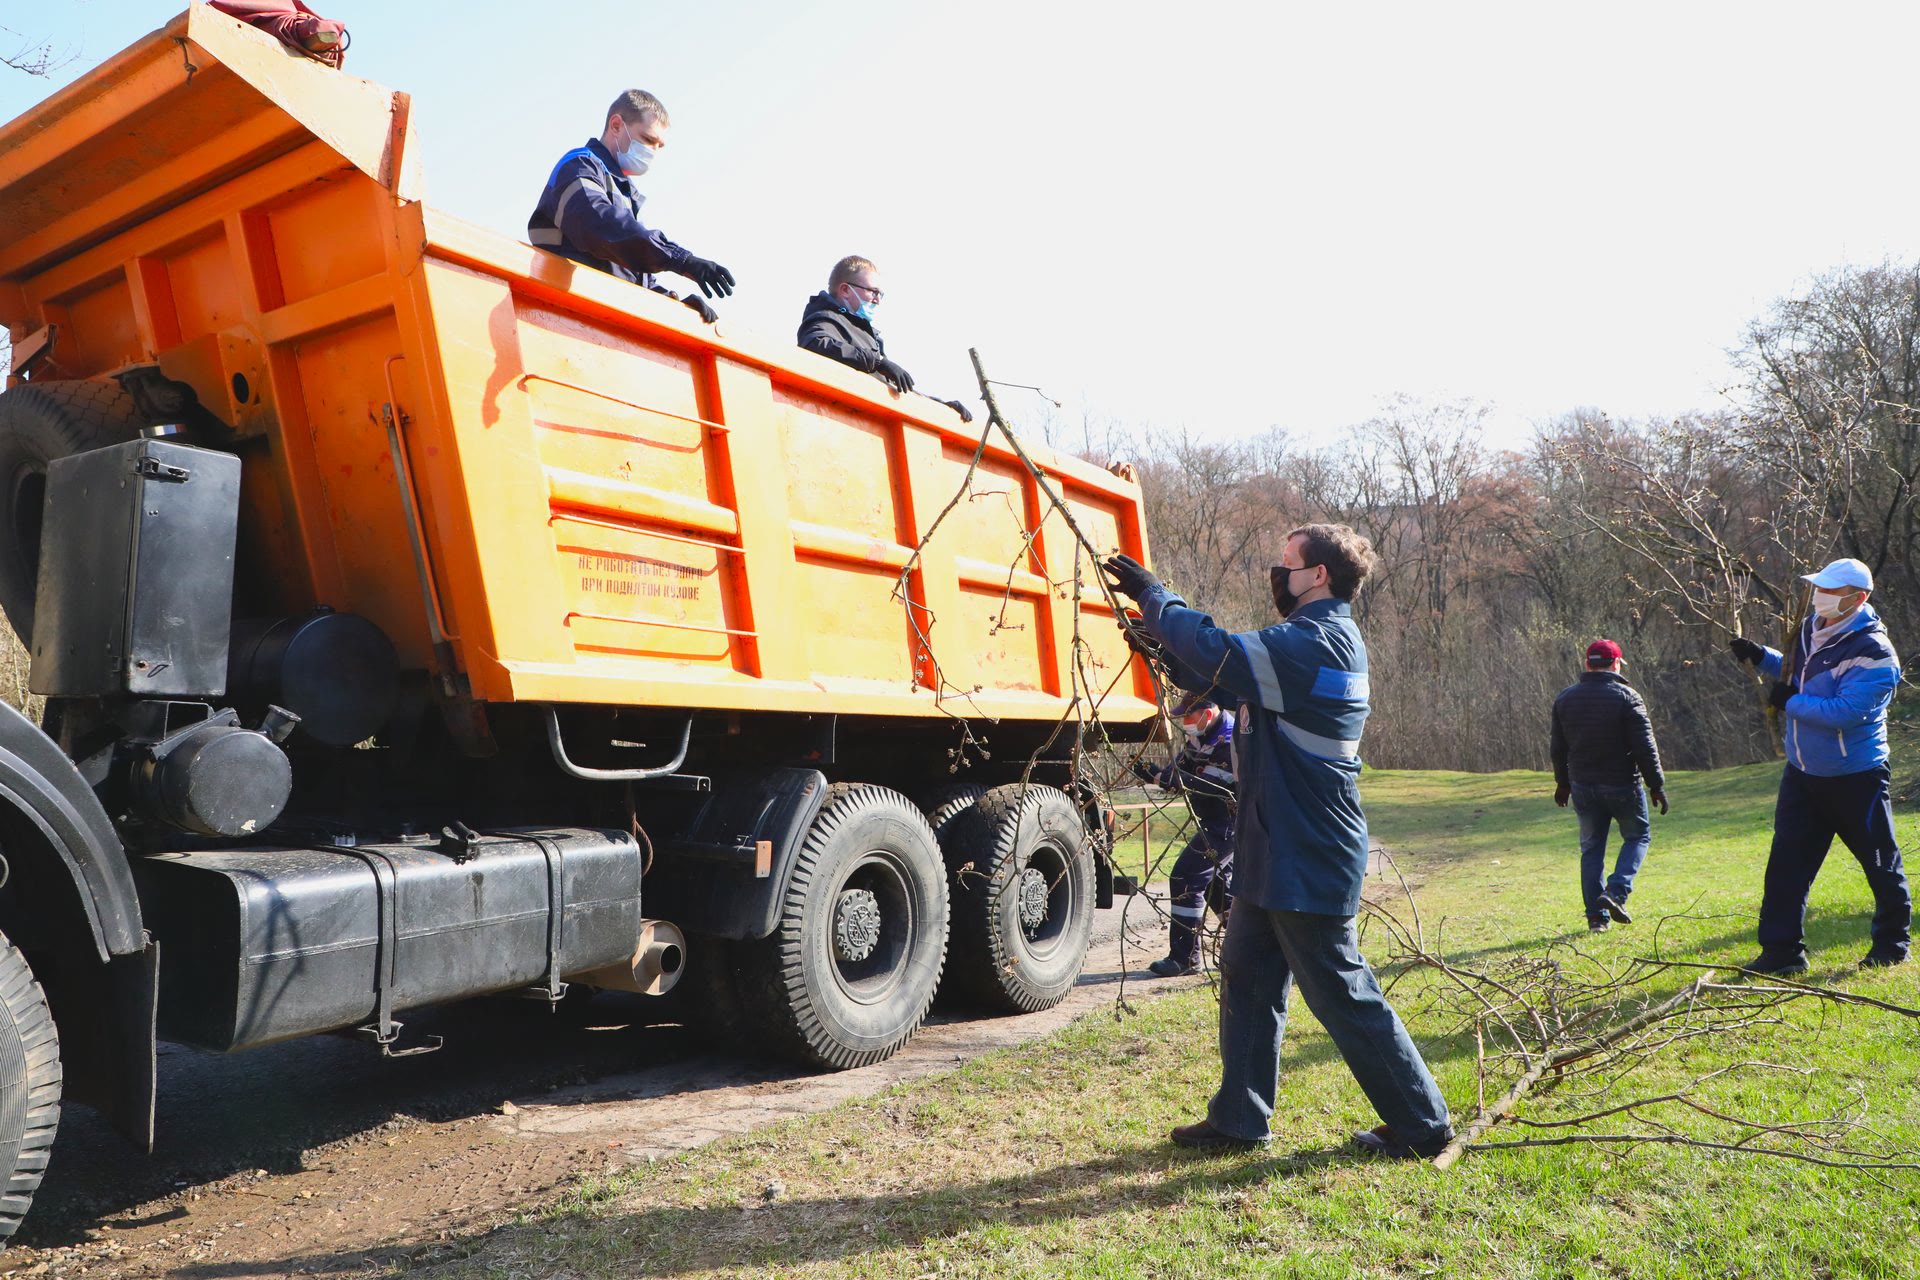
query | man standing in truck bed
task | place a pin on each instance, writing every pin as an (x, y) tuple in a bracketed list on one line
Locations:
[(591, 213), (838, 324)]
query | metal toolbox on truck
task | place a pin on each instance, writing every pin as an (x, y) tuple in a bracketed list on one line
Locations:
[(263, 944), (160, 517)]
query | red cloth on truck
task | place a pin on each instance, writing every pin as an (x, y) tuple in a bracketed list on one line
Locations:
[(297, 26)]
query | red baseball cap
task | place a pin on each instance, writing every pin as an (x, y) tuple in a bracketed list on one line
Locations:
[(1603, 649)]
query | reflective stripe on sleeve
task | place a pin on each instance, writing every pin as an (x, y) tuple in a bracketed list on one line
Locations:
[(1264, 676), (1314, 744)]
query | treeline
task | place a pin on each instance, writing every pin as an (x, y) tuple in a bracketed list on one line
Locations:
[(1498, 566)]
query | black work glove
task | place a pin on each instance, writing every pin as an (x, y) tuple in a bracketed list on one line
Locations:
[(1141, 643), (714, 280), (1659, 798), (1746, 650), (893, 375), (1562, 794), (1778, 695), (1143, 773), (700, 304), (966, 414), (1130, 578)]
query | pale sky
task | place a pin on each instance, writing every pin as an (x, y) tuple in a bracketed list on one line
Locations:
[(1220, 216)]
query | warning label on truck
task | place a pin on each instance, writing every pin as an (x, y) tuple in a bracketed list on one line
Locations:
[(642, 578)]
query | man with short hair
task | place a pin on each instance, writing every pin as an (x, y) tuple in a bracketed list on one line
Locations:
[(1833, 695), (1300, 850), (1602, 744), (590, 211), (838, 324)]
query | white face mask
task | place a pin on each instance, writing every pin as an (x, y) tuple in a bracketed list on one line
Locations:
[(1830, 605)]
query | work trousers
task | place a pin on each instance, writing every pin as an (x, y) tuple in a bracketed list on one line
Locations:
[(1265, 953), (1809, 813), (1599, 808), (1205, 865)]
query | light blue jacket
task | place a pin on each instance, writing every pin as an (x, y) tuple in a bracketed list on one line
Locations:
[(1836, 722), (1301, 842)]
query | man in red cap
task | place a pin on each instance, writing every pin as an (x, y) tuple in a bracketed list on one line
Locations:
[(1602, 746)]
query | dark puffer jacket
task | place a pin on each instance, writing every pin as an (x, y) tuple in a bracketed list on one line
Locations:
[(1601, 734), (828, 329)]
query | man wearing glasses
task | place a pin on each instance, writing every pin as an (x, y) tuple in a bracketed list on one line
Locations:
[(1300, 850), (590, 212), (838, 324)]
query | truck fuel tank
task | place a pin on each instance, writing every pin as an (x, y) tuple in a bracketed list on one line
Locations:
[(263, 944)]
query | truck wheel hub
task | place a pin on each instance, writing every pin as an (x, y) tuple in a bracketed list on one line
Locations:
[(856, 925), (1033, 898)]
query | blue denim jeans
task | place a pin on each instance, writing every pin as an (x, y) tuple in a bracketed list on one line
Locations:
[(1264, 954), (1599, 808)]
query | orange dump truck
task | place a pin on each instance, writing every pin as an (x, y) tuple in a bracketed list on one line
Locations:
[(421, 616)]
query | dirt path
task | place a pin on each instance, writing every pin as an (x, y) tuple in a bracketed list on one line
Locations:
[(318, 1157)]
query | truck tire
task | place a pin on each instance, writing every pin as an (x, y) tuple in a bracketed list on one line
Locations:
[(852, 966), (1022, 916), (944, 803), (29, 1087), (41, 421)]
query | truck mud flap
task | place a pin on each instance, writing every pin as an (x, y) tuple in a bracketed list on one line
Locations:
[(723, 874)]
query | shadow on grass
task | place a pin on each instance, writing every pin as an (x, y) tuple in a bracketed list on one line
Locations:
[(671, 1240)]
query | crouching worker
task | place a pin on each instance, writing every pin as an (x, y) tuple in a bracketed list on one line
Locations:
[(1300, 844), (590, 211), (1833, 696), (1203, 873), (838, 324)]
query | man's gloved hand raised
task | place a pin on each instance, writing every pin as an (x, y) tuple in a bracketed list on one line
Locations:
[(1561, 795), (1778, 695), (1130, 578), (1746, 650), (893, 375), (699, 304), (714, 280)]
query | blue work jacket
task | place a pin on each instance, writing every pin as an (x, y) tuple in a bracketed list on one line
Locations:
[(590, 213), (1836, 721), (1301, 841)]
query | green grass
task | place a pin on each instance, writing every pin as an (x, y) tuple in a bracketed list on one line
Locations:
[(1050, 1159)]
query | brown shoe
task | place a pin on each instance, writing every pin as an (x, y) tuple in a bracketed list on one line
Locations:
[(1202, 1136)]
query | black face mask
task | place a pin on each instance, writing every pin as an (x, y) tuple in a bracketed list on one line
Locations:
[(1283, 598)]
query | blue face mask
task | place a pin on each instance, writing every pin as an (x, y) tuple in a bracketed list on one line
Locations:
[(860, 305), (636, 158)]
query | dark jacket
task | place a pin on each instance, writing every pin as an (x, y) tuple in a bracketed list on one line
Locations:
[(829, 329), (1301, 839), (1601, 734), (590, 213), (1205, 773)]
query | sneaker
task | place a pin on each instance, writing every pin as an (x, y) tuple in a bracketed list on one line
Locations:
[(1168, 967), (1878, 959), (1599, 926), (1382, 1141), (1618, 910), (1202, 1136), (1777, 964)]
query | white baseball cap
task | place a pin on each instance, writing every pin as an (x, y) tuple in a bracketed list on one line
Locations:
[(1842, 575)]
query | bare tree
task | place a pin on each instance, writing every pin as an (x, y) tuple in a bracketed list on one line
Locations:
[(36, 57)]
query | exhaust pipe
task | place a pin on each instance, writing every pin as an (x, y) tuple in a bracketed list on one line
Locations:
[(658, 961)]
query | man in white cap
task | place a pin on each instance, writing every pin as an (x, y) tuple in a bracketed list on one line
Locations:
[(1832, 694)]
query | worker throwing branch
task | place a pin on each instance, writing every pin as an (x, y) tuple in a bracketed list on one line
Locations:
[(590, 211)]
